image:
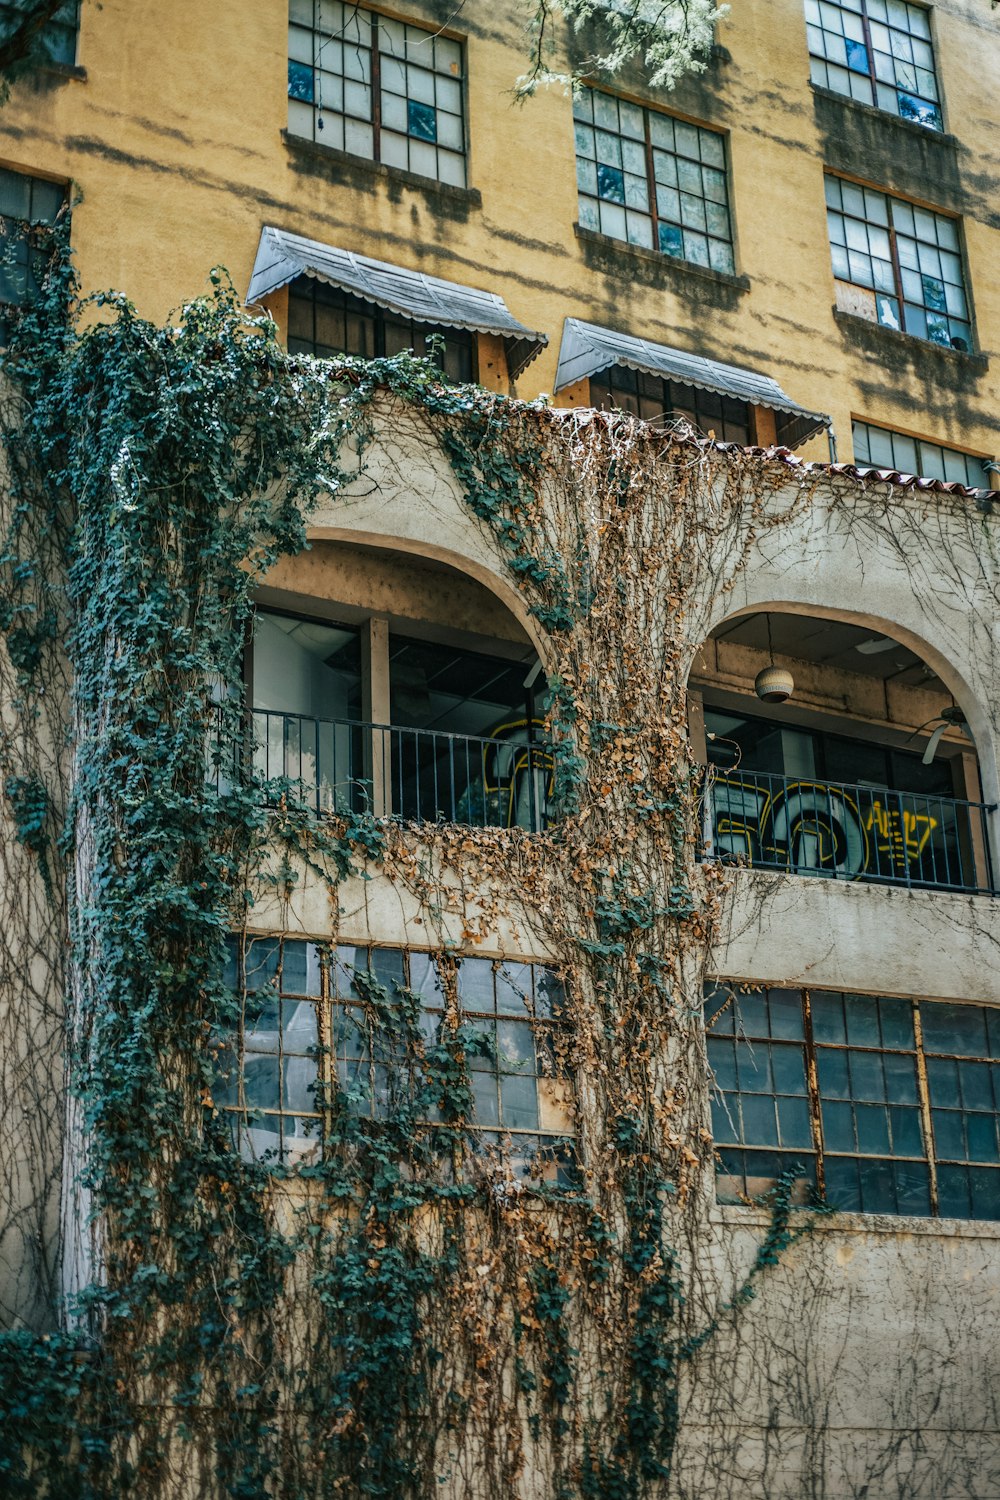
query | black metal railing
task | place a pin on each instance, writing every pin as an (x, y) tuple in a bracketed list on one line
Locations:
[(844, 832), (423, 775)]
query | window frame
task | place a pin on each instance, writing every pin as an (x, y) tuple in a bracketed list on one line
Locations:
[(983, 478), (374, 121), (55, 24), (725, 996), (651, 213), (894, 260), (332, 1001), (871, 74), (671, 411)]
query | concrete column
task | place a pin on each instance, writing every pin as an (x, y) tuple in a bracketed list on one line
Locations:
[(375, 710)]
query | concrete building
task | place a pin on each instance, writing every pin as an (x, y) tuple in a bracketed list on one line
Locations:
[(796, 252)]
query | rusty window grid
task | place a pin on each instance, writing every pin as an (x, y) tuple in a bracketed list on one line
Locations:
[(657, 400), (377, 87), (683, 208), (963, 1193), (877, 52), (338, 1006), (908, 259), (884, 448)]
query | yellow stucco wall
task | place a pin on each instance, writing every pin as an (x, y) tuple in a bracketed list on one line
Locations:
[(174, 139)]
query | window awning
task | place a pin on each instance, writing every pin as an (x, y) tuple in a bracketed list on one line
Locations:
[(587, 349), (281, 257)]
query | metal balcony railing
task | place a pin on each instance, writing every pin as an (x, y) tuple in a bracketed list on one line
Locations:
[(420, 775), (844, 832)]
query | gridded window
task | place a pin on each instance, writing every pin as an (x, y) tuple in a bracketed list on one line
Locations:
[(326, 321), (840, 1088), (908, 258), (652, 180), (657, 400), (23, 201), (58, 38), (876, 51), (884, 449), (312, 1043), (376, 87)]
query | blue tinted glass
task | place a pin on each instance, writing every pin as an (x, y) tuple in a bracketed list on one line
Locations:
[(954, 1028), (897, 1023), (832, 1071), (919, 110), (977, 1086), (953, 1192), (719, 1012), (755, 1068), (611, 184), (838, 1126), (752, 1014), (759, 1124), (985, 1192), (873, 1129), (866, 1076), (942, 1079), (786, 1013), (671, 240), (842, 1188), (949, 1141), (793, 1123), (300, 81), (878, 1187), (857, 55), (387, 968), (421, 120), (900, 1078), (913, 1187), (260, 964), (788, 1069), (722, 1061), (725, 1119), (827, 1017), (981, 1134), (907, 1138), (862, 1020)]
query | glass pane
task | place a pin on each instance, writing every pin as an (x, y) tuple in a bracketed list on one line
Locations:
[(475, 984), (827, 1017), (838, 1126), (515, 1047), (519, 1103)]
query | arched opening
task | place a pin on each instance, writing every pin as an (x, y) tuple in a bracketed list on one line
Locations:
[(388, 682), (861, 765)]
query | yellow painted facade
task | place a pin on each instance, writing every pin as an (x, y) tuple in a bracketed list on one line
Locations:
[(173, 131)]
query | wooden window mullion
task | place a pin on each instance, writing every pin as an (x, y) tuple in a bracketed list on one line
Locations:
[(812, 1085), (897, 270), (924, 1092), (651, 180)]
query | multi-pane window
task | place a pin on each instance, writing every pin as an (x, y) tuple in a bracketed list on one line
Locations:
[(884, 449), (326, 321), (376, 87), (23, 201), (58, 37), (321, 1034), (657, 400), (876, 51), (652, 180), (907, 259), (885, 1105)]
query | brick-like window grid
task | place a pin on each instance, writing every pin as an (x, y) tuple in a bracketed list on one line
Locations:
[(58, 35), (908, 257), (884, 449), (652, 180), (324, 320), (376, 87), (23, 201), (657, 400), (886, 1105), (309, 1043), (878, 52)]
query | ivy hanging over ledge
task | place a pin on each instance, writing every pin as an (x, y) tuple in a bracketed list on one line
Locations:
[(392, 1320)]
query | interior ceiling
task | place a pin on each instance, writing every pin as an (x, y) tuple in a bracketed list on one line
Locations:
[(829, 643)]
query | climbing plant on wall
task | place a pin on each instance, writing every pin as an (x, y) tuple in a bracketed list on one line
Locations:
[(400, 1316)]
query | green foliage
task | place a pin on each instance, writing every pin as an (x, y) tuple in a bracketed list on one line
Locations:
[(156, 475)]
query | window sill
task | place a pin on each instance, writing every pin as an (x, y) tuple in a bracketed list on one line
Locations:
[(742, 1216), (885, 117), (859, 327), (663, 262), (359, 167)]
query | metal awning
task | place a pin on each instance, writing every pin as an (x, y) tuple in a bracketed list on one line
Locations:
[(587, 349), (281, 257)]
